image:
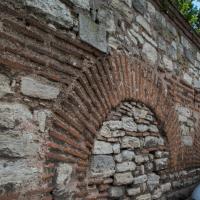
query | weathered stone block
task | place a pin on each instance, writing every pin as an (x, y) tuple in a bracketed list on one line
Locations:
[(118, 133), (64, 175), (105, 131), (102, 165), (4, 86), (140, 179), (141, 158), (152, 181), (123, 178), (168, 63), (39, 87), (92, 33), (142, 128), (150, 52), (15, 144), (157, 194), (125, 166), (12, 114), (116, 148), (151, 141), (54, 9), (114, 125), (142, 21), (19, 173), (115, 192), (130, 142), (144, 197), (129, 124), (40, 117), (161, 163), (85, 4), (133, 191), (101, 147), (153, 129), (187, 140), (166, 187), (140, 6), (127, 155)]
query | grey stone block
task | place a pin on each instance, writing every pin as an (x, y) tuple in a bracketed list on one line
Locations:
[(92, 33), (54, 10), (125, 166), (102, 165), (101, 147), (130, 142), (4, 86), (39, 87), (123, 178), (12, 114), (116, 192)]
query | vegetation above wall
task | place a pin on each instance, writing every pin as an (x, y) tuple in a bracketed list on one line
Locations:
[(189, 11)]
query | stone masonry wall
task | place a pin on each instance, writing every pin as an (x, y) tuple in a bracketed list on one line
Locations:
[(98, 100)]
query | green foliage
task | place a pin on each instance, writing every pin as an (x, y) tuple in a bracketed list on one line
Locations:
[(190, 12)]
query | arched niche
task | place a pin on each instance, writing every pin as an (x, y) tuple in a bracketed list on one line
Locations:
[(129, 156), (100, 88)]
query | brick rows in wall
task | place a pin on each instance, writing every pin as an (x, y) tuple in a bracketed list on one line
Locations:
[(91, 88)]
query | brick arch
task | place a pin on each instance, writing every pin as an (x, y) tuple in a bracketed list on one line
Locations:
[(93, 94)]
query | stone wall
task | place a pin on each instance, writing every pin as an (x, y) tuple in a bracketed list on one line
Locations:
[(72, 71)]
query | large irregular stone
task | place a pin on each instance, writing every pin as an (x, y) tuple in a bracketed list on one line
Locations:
[(116, 192), (152, 181), (153, 129), (15, 144), (116, 148), (129, 124), (127, 155), (101, 147), (81, 3), (64, 187), (54, 10), (102, 165), (130, 142), (168, 63), (92, 33), (105, 131), (144, 197), (12, 114), (142, 128), (125, 166), (140, 6), (18, 173), (166, 187), (187, 140), (123, 8), (140, 179), (39, 87), (151, 141), (187, 78), (150, 52), (40, 117), (142, 21), (184, 111), (133, 191), (123, 178), (141, 158), (114, 125), (4, 85), (106, 16), (161, 164), (157, 194)]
